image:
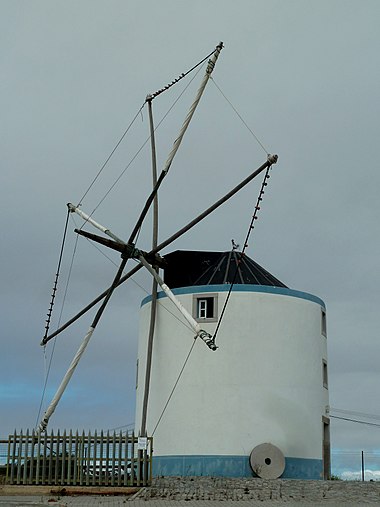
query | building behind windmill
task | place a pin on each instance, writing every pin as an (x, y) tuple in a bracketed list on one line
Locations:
[(260, 402)]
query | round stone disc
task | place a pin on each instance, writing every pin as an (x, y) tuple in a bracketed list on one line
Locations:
[(267, 461)]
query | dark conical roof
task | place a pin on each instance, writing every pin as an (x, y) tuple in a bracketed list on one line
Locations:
[(186, 268)]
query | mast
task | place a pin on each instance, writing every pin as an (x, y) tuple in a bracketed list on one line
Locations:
[(153, 307), (176, 145)]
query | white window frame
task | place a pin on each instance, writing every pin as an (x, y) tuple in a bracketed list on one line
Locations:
[(199, 299)]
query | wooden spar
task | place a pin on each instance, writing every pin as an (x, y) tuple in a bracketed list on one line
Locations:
[(272, 159), (153, 307), (87, 218)]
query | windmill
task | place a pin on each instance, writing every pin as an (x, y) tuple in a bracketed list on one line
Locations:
[(151, 260)]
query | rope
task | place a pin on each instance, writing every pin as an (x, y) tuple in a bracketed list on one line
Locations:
[(194, 105), (175, 385), (181, 76), (355, 413), (355, 421), (149, 97), (55, 286), (68, 276), (241, 118), (47, 372), (245, 246), (142, 146), (110, 155)]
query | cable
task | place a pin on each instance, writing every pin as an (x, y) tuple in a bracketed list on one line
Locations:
[(175, 385), (241, 118), (110, 155), (343, 453), (150, 97), (55, 339), (181, 76), (352, 412), (55, 286), (355, 421), (50, 311), (68, 276), (142, 146), (245, 246)]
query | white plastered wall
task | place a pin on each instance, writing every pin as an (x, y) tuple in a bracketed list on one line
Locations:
[(263, 384)]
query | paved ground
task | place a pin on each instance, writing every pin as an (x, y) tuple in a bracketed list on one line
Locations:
[(120, 501), (200, 492)]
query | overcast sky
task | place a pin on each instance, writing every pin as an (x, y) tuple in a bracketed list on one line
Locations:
[(304, 75)]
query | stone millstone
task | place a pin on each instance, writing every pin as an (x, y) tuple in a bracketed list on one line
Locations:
[(267, 461)]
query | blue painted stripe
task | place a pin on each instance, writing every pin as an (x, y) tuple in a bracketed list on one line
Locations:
[(230, 466), (266, 289)]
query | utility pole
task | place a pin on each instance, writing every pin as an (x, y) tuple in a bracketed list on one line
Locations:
[(363, 466)]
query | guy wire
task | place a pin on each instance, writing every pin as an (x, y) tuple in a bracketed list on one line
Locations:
[(175, 385), (245, 246), (47, 373), (55, 286), (241, 118), (153, 95), (142, 146), (110, 155), (181, 76)]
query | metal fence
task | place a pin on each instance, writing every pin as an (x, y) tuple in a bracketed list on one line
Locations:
[(356, 465), (3, 452), (98, 459)]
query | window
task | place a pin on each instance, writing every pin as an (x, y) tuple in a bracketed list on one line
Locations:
[(324, 373), (205, 308), (323, 323), (137, 373)]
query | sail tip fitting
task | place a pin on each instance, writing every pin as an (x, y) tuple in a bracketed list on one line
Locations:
[(208, 339), (42, 426), (272, 159)]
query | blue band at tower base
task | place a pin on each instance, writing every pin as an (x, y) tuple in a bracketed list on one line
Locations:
[(230, 466)]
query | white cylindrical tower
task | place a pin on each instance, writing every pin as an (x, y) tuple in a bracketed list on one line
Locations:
[(266, 384)]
